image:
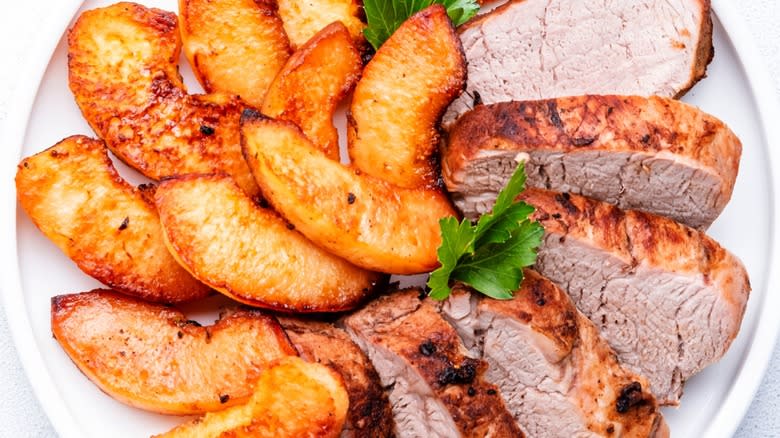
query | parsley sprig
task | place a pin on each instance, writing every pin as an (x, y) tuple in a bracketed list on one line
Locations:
[(385, 16), (489, 256)]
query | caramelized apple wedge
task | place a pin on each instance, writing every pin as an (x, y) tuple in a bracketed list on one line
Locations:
[(313, 82), (122, 70), (365, 220), (401, 97), (292, 399), (304, 18), (110, 229), (251, 254), (151, 357), (234, 46)]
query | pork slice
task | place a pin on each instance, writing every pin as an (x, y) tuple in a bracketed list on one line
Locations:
[(652, 154), (666, 297), (558, 377), (435, 388), (370, 414), (540, 49)]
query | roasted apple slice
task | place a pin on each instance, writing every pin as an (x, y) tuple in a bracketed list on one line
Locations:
[(292, 399), (251, 254), (122, 71), (313, 82), (401, 97), (304, 18), (367, 221), (107, 227), (151, 357), (234, 46)]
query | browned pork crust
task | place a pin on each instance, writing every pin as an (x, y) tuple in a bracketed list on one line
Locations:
[(653, 154), (667, 298)]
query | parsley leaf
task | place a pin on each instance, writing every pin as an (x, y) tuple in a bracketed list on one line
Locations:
[(385, 16), (456, 240), (495, 227), (496, 270), (489, 256), (461, 11)]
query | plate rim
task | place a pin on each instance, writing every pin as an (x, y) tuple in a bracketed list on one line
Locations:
[(762, 345), (737, 400), (14, 132)]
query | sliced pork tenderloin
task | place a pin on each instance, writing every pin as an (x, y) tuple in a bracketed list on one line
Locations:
[(666, 297), (541, 49), (558, 376), (370, 414), (652, 154), (435, 389)]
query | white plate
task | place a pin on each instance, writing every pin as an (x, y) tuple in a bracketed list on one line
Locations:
[(737, 90)]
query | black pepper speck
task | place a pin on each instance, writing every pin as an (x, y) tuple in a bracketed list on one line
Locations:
[(464, 374), (427, 348), (630, 396)]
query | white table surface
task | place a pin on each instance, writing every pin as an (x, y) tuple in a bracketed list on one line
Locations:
[(20, 413)]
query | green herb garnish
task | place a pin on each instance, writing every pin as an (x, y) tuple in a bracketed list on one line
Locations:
[(489, 256), (385, 16)]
